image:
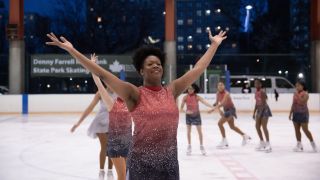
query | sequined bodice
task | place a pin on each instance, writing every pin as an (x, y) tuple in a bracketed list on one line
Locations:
[(120, 119), (155, 134), (258, 97), (192, 103), (228, 103), (298, 104)]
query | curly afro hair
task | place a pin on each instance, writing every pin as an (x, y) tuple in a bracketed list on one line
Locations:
[(142, 53)]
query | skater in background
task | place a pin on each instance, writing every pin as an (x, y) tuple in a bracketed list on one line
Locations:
[(193, 116), (120, 130), (154, 153), (246, 89), (299, 114), (276, 94), (98, 128), (261, 114), (224, 100)]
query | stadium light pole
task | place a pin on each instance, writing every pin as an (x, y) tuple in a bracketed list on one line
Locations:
[(15, 34)]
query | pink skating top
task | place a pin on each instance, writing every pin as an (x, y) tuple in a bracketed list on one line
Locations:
[(119, 118), (298, 105), (192, 104), (258, 96), (156, 118), (228, 103)]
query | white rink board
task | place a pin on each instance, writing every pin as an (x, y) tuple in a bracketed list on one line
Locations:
[(59, 103), (70, 103), (10, 103)]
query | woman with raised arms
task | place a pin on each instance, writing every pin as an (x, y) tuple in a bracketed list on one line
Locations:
[(153, 154)]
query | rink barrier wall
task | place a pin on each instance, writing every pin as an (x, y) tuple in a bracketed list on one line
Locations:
[(10, 103), (76, 103), (246, 102)]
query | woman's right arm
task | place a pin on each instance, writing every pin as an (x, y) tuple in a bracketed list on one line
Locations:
[(87, 111), (224, 99), (183, 103), (214, 105), (203, 101), (291, 109), (304, 98), (254, 111), (128, 92)]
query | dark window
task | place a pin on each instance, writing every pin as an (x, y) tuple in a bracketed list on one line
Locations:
[(238, 82), (266, 83), (282, 83)]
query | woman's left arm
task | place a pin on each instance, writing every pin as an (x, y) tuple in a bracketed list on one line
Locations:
[(203, 101), (179, 85), (305, 98)]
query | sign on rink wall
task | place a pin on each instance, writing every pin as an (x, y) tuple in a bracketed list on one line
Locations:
[(58, 65), (70, 103)]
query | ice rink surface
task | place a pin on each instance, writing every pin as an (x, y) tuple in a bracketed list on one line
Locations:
[(41, 147)]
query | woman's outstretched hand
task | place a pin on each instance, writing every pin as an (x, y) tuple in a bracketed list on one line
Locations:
[(93, 57), (217, 39), (62, 43), (211, 110), (74, 127)]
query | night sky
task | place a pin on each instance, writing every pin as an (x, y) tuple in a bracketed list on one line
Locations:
[(125, 26), (43, 7)]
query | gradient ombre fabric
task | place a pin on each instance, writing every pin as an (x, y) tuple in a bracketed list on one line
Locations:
[(153, 154)]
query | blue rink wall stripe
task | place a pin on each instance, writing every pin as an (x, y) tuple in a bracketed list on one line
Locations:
[(24, 103), (227, 80)]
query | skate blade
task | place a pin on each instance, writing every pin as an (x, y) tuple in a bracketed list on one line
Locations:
[(261, 149), (222, 147), (297, 151), (268, 151)]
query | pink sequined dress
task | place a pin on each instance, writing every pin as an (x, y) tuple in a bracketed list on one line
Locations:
[(299, 108), (263, 110), (120, 130), (153, 154), (192, 103), (228, 106)]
